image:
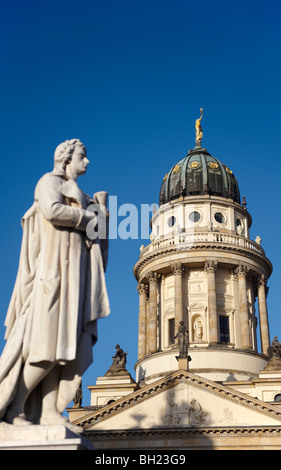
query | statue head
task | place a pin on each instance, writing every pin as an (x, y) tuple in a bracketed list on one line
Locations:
[(64, 153)]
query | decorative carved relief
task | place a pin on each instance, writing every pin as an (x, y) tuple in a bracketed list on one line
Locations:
[(196, 414), (171, 409), (195, 287), (194, 274), (228, 417), (182, 413)]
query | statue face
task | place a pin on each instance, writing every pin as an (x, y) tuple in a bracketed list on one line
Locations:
[(79, 162)]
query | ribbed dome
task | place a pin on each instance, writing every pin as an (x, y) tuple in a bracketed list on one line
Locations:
[(199, 174)]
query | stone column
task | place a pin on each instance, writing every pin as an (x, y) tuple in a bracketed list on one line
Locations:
[(210, 268), (264, 329), (153, 278), (242, 272), (178, 271), (142, 290)]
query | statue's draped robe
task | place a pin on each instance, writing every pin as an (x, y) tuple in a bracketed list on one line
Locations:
[(59, 293)]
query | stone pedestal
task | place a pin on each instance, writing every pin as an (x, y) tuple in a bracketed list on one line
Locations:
[(274, 364), (110, 388), (183, 362), (37, 437)]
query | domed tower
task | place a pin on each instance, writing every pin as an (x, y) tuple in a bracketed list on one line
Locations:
[(202, 268)]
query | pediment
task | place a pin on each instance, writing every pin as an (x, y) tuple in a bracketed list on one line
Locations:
[(196, 306), (180, 400)]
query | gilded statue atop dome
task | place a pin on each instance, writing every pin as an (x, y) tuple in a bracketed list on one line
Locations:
[(198, 129)]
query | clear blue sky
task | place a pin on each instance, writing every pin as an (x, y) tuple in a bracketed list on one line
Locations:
[(128, 78)]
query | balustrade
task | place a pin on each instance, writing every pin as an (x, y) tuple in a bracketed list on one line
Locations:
[(189, 239)]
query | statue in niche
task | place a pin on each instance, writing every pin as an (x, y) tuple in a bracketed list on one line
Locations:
[(240, 230), (198, 329), (59, 294)]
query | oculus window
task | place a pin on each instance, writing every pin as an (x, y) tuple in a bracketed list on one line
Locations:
[(194, 216), (219, 217), (171, 221)]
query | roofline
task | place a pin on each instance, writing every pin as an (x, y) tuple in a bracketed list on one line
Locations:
[(166, 383)]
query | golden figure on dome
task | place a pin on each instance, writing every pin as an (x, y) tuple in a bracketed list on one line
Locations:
[(198, 129)]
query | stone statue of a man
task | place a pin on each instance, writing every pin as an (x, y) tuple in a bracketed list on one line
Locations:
[(119, 362), (58, 296), (183, 339)]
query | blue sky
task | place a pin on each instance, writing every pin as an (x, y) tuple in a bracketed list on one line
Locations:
[(129, 78)]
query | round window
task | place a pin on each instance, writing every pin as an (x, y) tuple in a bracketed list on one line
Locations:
[(219, 217), (171, 221), (194, 216), (277, 397)]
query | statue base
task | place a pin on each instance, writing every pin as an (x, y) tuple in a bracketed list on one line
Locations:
[(115, 370), (37, 437), (274, 364), (183, 362)]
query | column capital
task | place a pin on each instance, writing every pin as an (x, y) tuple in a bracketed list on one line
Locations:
[(262, 281), (153, 276), (142, 288), (211, 266), (234, 274), (177, 268), (241, 270)]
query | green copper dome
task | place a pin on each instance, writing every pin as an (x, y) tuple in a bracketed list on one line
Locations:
[(199, 174)]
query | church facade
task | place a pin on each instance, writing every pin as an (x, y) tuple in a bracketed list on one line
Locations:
[(207, 374)]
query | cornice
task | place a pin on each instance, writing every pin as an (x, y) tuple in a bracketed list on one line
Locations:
[(203, 247), (231, 431)]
